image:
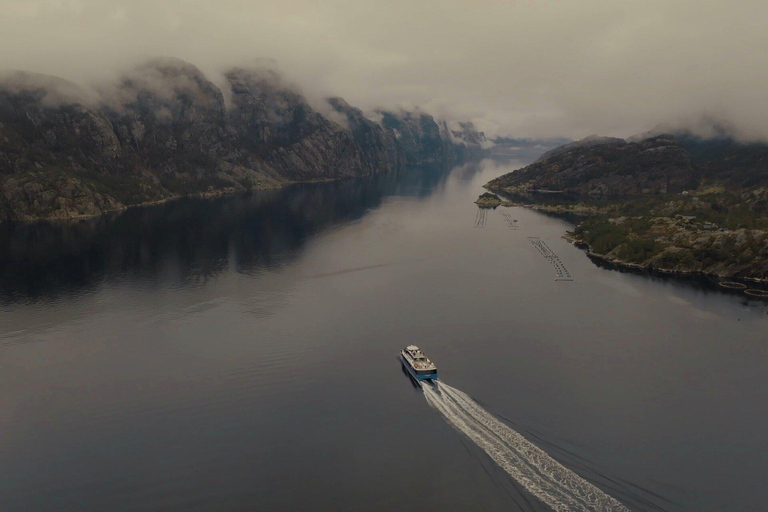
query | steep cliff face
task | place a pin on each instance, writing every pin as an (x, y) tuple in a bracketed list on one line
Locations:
[(277, 125), (48, 144), (164, 130), (172, 125), (36, 124), (169, 117), (420, 137), (380, 147), (159, 133), (608, 168), (470, 142)]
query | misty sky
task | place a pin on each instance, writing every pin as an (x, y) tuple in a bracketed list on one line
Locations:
[(521, 68)]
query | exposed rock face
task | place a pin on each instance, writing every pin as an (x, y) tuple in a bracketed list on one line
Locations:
[(160, 133), (470, 142), (608, 168), (170, 115), (36, 124), (379, 145), (277, 125), (172, 125), (164, 130), (420, 137)]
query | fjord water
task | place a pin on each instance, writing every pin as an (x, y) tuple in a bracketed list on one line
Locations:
[(240, 353)]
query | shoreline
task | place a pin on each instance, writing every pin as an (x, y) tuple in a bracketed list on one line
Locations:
[(591, 211), (621, 264), (198, 195), (638, 268), (195, 195), (728, 269), (626, 265)]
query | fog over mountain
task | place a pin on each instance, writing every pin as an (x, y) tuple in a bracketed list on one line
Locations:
[(523, 68)]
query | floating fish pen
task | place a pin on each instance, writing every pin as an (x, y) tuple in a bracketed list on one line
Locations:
[(732, 285), (511, 223), (756, 292), (561, 273), (481, 219)]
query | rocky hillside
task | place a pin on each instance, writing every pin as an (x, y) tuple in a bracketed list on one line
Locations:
[(676, 204), (677, 244), (421, 137), (165, 130), (607, 168), (381, 149)]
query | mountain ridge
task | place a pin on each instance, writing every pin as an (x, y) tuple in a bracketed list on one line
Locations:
[(164, 130)]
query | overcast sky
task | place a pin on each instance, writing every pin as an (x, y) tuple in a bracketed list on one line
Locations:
[(521, 68)]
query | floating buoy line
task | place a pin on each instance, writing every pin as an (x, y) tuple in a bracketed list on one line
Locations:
[(511, 223), (752, 292), (561, 273), (481, 219), (731, 285)]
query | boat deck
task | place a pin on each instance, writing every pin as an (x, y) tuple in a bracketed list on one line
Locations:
[(419, 365)]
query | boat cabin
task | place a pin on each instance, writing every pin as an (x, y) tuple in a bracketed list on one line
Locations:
[(415, 353)]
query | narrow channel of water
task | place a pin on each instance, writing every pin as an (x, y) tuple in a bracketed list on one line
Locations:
[(241, 353)]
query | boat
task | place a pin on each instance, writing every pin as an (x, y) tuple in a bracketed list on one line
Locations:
[(417, 363)]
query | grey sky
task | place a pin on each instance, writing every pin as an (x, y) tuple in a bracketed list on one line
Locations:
[(524, 68)]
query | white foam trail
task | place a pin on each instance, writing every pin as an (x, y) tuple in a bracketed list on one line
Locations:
[(540, 474)]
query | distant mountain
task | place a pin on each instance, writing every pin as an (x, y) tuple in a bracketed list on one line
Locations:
[(165, 130), (524, 149), (420, 136)]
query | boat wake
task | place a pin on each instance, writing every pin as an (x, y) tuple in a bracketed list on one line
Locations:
[(541, 475)]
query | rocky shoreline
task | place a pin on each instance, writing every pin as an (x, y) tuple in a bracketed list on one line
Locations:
[(762, 284), (628, 265), (674, 205), (724, 273), (612, 259), (674, 247)]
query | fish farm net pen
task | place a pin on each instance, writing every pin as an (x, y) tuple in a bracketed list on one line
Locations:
[(732, 285)]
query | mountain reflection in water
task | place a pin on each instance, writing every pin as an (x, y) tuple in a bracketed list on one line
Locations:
[(240, 353), (197, 238)]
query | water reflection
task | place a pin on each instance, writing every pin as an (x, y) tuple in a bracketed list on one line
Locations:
[(277, 387), (191, 240)]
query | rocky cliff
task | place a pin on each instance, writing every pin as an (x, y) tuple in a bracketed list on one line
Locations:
[(420, 136), (381, 149), (165, 130)]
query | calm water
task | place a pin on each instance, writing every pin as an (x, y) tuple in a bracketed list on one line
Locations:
[(240, 354)]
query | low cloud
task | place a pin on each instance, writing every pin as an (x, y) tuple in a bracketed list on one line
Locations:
[(522, 68)]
